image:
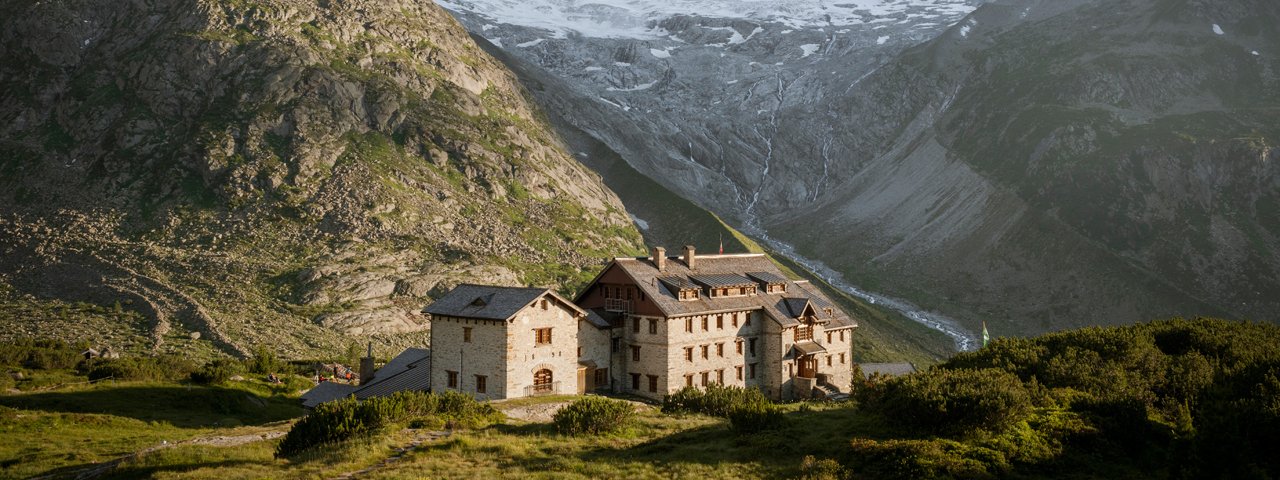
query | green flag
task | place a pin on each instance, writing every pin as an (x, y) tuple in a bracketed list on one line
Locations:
[(985, 337)]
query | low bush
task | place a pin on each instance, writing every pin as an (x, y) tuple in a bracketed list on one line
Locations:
[(349, 419), (953, 402), (265, 362), (714, 400), (166, 367), (594, 416), (755, 417), (216, 372), (747, 409), (41, 354)]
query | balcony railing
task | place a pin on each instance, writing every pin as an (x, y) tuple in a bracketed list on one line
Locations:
[(617, 305), (542, 389)]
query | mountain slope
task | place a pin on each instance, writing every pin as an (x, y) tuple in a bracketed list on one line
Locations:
[(1054, 164), (1039, 165), (283, 172)]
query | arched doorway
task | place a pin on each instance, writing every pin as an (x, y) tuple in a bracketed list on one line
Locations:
[(542, 381)]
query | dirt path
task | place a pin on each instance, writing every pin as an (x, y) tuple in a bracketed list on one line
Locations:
[(99, 469), (540, 413)]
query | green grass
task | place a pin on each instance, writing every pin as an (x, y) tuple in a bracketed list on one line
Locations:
[(66, 429)]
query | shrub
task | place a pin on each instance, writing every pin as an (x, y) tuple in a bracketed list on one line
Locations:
[(41, 354), (954, 401), (594, 416), (265, 362), (755, 417), (350, 419), (216, 372), (166, 367), (826, 469), (715, 400)]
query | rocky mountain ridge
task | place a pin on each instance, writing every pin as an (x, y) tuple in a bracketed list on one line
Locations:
[(277, 171)]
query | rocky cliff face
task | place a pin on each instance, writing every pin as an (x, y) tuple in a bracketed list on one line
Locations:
[(1038, 164), (276, 171)]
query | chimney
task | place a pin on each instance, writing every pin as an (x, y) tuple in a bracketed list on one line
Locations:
[(659, 258), (366, 367), (688, 256)]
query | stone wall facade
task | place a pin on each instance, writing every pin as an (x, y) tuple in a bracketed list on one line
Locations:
[(506, 355)]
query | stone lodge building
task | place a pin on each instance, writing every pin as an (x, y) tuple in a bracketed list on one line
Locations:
[(648, 326), (504, 342)]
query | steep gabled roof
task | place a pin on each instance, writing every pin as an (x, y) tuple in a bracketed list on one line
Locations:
[(717, 269), (490, 302)]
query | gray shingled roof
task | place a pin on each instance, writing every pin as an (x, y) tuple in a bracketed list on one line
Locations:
[(326, 392), (808, 347), (887, 369), (410, 370), (721, 280), (596, 317), (795, 306), (678, 283), (489, 302), (653, 283), (767, 277)]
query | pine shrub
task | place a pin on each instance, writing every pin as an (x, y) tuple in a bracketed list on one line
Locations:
[(594, 416), (350, 419), (216, 372)]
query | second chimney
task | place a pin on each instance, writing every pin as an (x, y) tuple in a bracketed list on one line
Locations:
[(659, 258), (688, 256)]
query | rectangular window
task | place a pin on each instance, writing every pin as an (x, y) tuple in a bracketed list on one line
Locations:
[(635, 381), (842, 357), (653, 326), (688, 380), (751, 346), (735, 319), (720, 321), (653, 383), (720, 376), (720, 349), (453, 378), (704, 324), (751, 371), (635, 325), (542, 336), (828, 360), (688, 324), (613, 345), (481, 382), (706, 377), (466, 334), (738, 372), (635, 353), (737, 345), (828, 337), (629, 291), (579, 352), (842, 335), (688, 353), (746, 322), (544, 304), (704, 351), (602, 377), (791, 369)]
